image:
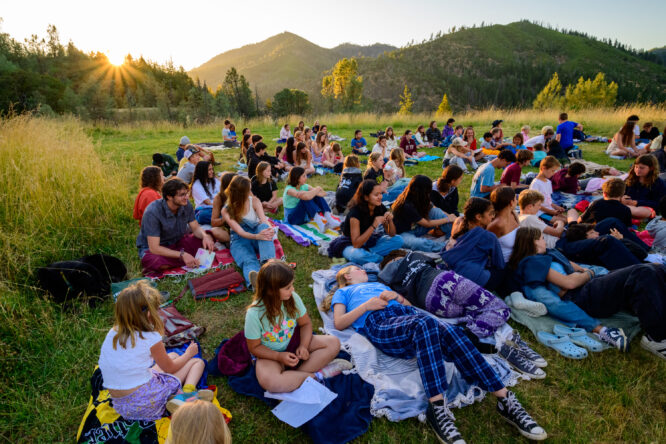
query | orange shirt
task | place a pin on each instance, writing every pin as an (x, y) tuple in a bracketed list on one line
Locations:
[(143, 199)]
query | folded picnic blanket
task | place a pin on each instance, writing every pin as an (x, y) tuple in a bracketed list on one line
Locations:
[(623, 320), (223, 259), (102, 424), (399, 392), (306, 234), (568, 200)]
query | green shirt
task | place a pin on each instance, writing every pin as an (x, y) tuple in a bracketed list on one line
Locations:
[(276, 337), (291, 201)]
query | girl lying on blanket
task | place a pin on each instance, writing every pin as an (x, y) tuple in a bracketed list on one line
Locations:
[(303, 203), (359, 242), (396, 328), (251, 233), (137, 371), (286, 356), (446, 294), (574, 294), (198, 422)]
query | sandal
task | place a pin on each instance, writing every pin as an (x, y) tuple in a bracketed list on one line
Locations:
[(562, 345), (579, 337)]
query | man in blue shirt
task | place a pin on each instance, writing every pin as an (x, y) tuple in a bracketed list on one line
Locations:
[(483, 182), (565, 131), (358, 143)]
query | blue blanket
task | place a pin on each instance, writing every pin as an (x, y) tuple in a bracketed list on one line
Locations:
[(428, 158), (344, 419), (568, 200)]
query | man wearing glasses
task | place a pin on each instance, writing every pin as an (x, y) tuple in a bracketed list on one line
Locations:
[(170, 235)]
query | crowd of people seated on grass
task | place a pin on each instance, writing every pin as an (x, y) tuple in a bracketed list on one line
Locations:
[(513, 238)]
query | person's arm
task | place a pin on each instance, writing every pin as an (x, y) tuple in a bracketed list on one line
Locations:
[(263, 235), (343, 319), (304, 195), (568, 281), (164, 361), (428, 223), (200, 233), (259, 209), (262, 352), (305, 325), (389, 295), (388, 223), (359, 239), (555, 230)]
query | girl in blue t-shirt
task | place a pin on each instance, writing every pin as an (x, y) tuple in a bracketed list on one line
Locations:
[(396, 328), (286, 355)]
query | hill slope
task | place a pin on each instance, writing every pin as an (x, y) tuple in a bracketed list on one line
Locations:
[(503, 65), (282, 61), (352, 50)]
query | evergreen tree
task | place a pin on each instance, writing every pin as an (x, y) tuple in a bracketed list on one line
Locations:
[(406, 102), (290, 101), (550, 96), (237, 89), (444, 109), (591, 93)]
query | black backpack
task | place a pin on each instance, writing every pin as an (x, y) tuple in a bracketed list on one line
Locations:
[(89, 277)]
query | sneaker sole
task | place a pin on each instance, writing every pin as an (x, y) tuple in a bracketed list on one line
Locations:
[(527, 435), (440, 439), (646, 347)]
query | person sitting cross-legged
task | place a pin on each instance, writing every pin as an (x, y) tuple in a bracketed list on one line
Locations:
[(163, 240)]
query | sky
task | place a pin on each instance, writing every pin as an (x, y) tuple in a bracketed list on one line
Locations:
[(190, 33)]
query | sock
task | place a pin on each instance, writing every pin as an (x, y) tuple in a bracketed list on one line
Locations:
[(189, 388)]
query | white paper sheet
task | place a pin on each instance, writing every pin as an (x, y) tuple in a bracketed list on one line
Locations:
[(303, 404)]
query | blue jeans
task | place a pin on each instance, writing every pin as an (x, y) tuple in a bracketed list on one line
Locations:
[(384, 246), (566, 311), (306, 210), (395, 190), (414, 239), (203, 214), (244, 251)]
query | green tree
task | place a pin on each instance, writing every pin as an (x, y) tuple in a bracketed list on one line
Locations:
[(550, 96), (591, 93), (343, 86), (406, 102), (290, 101), (237, 89), (444, 109)]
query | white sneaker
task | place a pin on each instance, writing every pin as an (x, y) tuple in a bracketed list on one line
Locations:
[(654, 347), (332, 221), (320, 222), (517, 300)]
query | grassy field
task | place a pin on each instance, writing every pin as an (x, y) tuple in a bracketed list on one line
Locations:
[(68, 189)]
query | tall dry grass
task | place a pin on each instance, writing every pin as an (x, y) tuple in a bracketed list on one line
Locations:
[(604, 121), (57, 199)]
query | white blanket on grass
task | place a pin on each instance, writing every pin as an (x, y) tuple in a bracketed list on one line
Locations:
[(399, 393)]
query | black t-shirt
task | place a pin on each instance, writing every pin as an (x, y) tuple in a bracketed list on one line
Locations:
[(364, 218), (406, 218), (602, 209), (411, 277), (263, 192), (651, 135), (377, 176), (448, 203)]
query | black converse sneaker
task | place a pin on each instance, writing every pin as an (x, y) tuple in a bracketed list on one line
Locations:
[(442, 422), (527, 351), (614, 337), (515, 414), (518, 361)]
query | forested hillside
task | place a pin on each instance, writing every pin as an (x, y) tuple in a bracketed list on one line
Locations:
[(503, 66)]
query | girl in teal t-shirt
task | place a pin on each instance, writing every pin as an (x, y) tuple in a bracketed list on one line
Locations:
[(303, 203), (286, 356)]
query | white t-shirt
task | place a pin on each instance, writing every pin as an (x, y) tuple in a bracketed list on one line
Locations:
[(225, 134), (378, 149), (533, 221), (285, 133), (199, 194), (545, 188), (419, 138), (126, 368), (391, 143), (534, 140)]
